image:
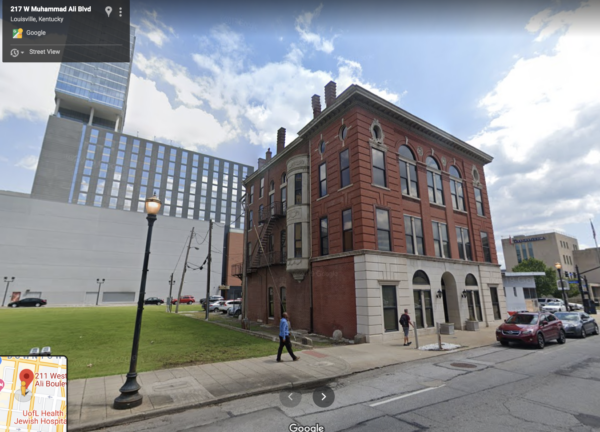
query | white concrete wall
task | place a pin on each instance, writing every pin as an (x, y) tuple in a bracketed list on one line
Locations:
[(61, 249)]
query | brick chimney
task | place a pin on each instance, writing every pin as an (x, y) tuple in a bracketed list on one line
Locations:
[(280, 140), (330, 93), (269, 154), (261, 163), (316, 105)]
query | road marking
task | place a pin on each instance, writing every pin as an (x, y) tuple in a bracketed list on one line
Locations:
[(405, 396)]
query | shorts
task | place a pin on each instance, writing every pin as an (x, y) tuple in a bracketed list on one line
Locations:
[(405, 331)]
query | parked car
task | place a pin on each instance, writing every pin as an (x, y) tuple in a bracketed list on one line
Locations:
[(224, 305), (46, 351), (235, 310), (533, 328), (578, 324), (185, 299), (28, 302), (575, 306), (554, 307), (154, 300), (211, 299), (543, 301), (34, 351), (214, 306)]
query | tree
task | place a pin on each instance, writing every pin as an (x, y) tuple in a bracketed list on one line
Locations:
[(545, 285)]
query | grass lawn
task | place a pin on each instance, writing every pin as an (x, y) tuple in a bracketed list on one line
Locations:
[(103, 337)]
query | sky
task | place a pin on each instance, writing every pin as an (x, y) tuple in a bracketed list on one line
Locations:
[(519, 80)]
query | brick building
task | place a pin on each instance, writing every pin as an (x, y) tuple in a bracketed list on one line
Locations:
[(369, 211)]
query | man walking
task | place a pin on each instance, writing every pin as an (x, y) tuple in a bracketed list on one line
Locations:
[(406, 323), (284, 338)]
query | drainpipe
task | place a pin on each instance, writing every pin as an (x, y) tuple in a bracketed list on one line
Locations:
[(310, 281)]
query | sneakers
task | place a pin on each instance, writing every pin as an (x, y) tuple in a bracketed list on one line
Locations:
[(279, 361), (297, 358), (408, 343), (405, 345)]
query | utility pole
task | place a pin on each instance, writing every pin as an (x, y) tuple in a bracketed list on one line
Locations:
[(99, 282), (206, 302), (184, 270), (170, 299), (8, 282)]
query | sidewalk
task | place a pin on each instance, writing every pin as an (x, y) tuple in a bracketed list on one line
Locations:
[(169, 391)]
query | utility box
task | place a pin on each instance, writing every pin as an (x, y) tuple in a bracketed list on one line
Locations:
[(447, 328), (472, 326)]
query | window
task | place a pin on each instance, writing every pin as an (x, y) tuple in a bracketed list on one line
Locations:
[(85, 184), (283, 245), (485, 244), (434, 182), (343, 132), (283, 178), (298, 188), (271, 304), (530, 248), (347, 230), (456, 189), (420, 278), (322, 146), (390, 308), (518, 250), (322, 179), (474, 305), (262, 187), (272, 186), (414, 235), (250, 220), (324, 236), (383, 230), (127, 205), (261, 213), (344, 168), (495, 303), (440, 240), (479, 202), (297, 240), (408, 172), (251, 197), (82, 199), (283, 300), (423, 308), (248, 253), (464, 244), (100, 187), (94, 136), (378, 167), (272, 204), (284, 199)]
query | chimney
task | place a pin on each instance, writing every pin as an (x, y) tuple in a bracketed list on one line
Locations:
[(316, 105), (280, 140), (330, 93), (269, 155), (261, 163)]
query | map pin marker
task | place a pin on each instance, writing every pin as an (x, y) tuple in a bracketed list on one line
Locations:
[(108, 10), (1, 384), (26, 377)]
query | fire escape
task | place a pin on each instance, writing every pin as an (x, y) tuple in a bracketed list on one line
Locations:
[(263, 253)]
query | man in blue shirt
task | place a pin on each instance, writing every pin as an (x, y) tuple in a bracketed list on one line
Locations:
[(284, 338)]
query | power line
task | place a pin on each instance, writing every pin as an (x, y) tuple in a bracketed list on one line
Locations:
[(182, 249)]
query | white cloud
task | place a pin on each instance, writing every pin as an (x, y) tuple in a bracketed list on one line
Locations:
[(21, 85), (544, 128), (303, 27), (152, 28), (28, 162)]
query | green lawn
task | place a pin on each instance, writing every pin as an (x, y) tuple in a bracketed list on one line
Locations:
[(103, 337)]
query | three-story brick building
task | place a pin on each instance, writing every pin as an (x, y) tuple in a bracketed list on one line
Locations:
[(369, 211)]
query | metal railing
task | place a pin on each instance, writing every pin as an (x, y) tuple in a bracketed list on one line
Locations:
[(275, 210)]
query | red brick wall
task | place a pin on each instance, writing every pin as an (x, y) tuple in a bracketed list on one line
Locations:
[(334, 297), (364, 198)]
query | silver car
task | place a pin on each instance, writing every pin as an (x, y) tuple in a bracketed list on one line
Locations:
[(578, 324), (553, 307)]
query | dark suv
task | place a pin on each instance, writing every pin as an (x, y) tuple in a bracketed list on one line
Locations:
[(531, 328)]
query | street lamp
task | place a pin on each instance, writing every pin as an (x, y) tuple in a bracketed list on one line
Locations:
[(8, 281), (99, 282), (564, 293), (130, 397)]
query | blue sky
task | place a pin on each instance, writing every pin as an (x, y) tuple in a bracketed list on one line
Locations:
[(517, 79)]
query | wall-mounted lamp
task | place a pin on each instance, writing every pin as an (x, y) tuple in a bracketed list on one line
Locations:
[(464, 294), (439, 294)]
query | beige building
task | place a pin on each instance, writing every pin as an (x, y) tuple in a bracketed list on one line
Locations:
[(588, 261), (548, 247)]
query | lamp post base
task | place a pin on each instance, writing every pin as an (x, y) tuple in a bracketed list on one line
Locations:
[(130, 396)]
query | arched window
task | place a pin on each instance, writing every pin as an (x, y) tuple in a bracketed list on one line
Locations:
[(420, 278), (434, 182), (408, 172), (470, 280), (456, 189)]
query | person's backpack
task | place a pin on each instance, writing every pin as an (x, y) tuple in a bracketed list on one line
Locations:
[(404, 320)]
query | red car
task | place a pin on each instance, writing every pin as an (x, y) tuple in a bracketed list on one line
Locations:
[(185, 299), (531, 328)]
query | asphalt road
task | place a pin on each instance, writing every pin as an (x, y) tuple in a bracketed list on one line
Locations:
[(485, 389)]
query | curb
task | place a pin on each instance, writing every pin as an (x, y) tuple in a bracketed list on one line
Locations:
[(181, 408)]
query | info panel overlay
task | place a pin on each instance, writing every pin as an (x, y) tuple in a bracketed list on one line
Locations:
[(65, 31)]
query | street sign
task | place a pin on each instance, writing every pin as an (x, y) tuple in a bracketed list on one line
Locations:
[(564, 287)]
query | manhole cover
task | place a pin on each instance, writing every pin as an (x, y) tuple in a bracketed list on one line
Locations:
[(463, 365)]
